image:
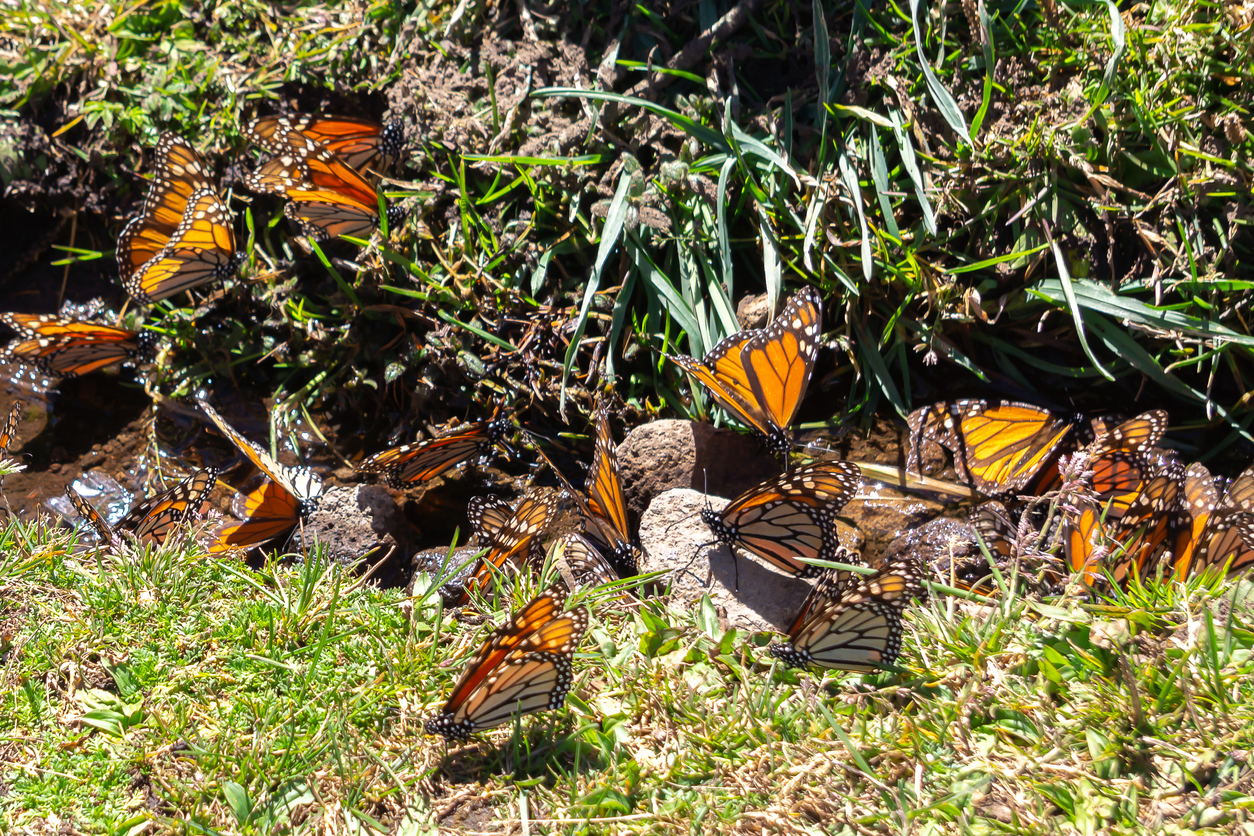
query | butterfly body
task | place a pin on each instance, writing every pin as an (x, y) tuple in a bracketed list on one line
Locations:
[(760, 376), (183, 236), (524, 666)]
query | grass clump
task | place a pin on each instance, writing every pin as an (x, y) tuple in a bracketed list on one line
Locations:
[(165, 691)]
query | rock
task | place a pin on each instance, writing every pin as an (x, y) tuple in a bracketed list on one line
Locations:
[(358, 522), (437, 563), (947, 551), (661, 455), (747, 591), (753, 311)]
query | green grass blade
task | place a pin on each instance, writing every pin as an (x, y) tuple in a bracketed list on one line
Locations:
[(945, 102), (850, 178), (1064, 278), (614, 223)]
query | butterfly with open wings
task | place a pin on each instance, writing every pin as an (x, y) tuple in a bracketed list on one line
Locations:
[(760, 376)]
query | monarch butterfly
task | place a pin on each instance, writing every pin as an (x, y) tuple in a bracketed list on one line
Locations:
[(523, 667), (329, 198), (760, 376), (853, 625), (998, 446), (579, 562), (1120, 459), (63, 347), (278, 505), (517, 537), (606, 506), (427, 459), (8, 432), (358, 142), (1140, 536), (182, 238), (153, 519), (1220, 532), (789, 517)]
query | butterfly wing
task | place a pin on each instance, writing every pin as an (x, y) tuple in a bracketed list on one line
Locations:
[(722, 373), (1118, 478), (1200, 501), (425, 460), (68, 347), (301, 482), (154, 518), (87, 512), (9, 431), (523, 667), (271, 511), (488, 515), (580, 563), (1084, 533), (1144, 529), (1004, 444), (199, 251), (791, 516), (358, 142), (1140, 434), (779, 360)]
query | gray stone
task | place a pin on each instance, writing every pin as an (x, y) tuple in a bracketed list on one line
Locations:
[(747, 591), (359, 522), (661, 455)]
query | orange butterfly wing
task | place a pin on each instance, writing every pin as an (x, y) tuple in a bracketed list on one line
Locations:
[(358, 142), (425, 460), (523, 667), (791, 516), (69, 347), (779, 361), (271, 511)]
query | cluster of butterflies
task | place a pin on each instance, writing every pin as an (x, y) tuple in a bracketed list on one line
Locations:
[(1132, 510), (183, 236), (849, 621)]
